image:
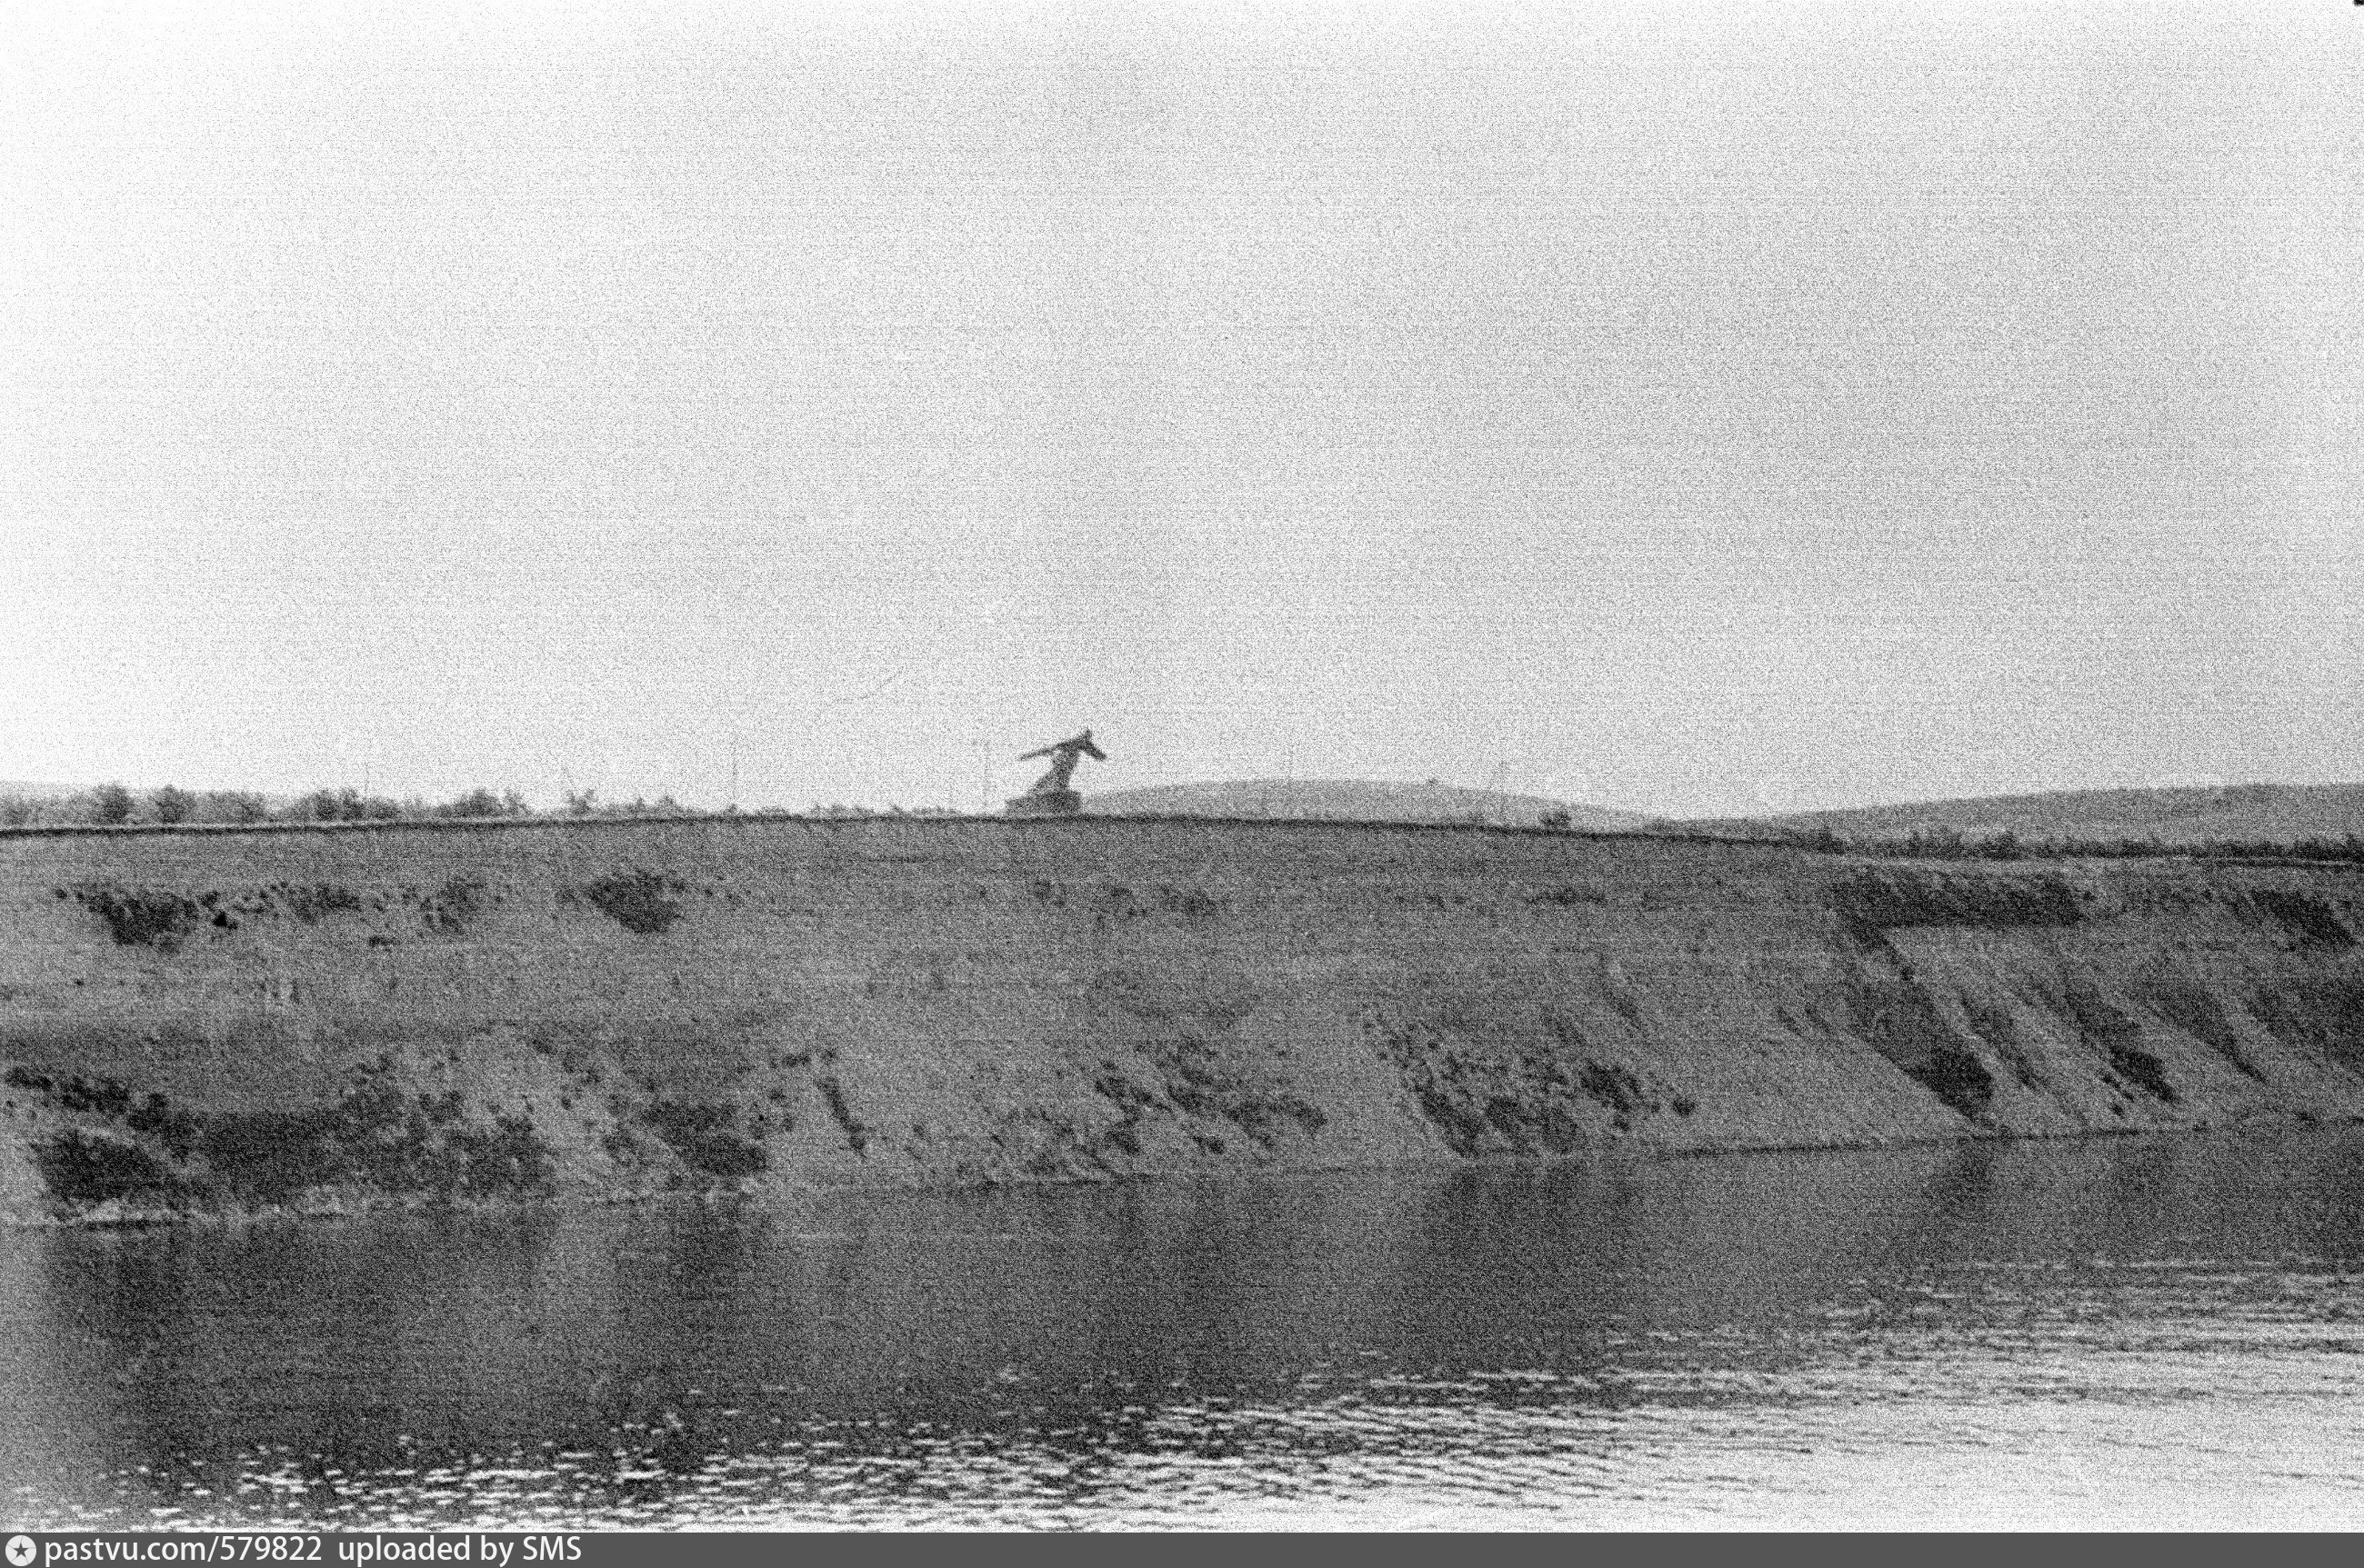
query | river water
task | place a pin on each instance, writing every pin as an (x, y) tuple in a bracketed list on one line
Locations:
[(2130, 1332)]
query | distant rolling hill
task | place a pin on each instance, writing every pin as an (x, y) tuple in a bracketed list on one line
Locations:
[(1355, 800), (2244, 813)]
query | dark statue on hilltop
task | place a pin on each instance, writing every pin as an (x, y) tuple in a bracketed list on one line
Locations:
[(1050, 796)]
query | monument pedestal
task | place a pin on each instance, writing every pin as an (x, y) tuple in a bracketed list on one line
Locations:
[(1045, 802)]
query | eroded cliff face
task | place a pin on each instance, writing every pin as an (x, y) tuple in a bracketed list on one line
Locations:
[(214, 1022)]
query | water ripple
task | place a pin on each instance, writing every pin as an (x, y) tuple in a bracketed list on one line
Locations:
[(1916, 1338)]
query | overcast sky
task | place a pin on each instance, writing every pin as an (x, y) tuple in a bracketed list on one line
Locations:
[(1695, 408)]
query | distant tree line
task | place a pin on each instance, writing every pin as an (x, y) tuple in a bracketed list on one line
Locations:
[(114, 805)]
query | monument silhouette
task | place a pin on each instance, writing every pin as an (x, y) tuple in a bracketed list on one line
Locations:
[(1049, 795)]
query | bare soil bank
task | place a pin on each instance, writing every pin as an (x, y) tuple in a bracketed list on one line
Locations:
[(310, 1019)]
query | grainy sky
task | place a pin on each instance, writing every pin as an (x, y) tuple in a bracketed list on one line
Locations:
[(1692, 408)]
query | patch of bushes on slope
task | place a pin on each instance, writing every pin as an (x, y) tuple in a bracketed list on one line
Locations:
[(1116, 901), (1047, 1146), (1902, 1022), (1949, 843), (637, 900), (453, 906), (82, 1168), (2309, 922), (138, 918), (1626, 1094), (1202, 1082), (832, 1093), (705, 1138), (1871, 903), (1509, 1094), (174, 1129), (314, 904), (105, 1098), (377, 1136), (373, 1136), (2325, 1016), (2195, 1010), (2118, 1039), (1132, 1102), (1994, 1026)]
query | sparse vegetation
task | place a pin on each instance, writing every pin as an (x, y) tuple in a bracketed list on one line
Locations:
[(317, 903), (452, 907), (1499, 1096), (1204, 1081), (832, 1093), (176, 1129), (1902, 1021), (638, 900), (376, 1136), (1614, 1086), (1875, 901), (1959, 1079), (373, 1137), (84, 1168), (2193, 1009), (138, 918), (2309, 920), (106, 1097), (1944, 844), (706, 1138), (2323, 1016), (2118, 1039)]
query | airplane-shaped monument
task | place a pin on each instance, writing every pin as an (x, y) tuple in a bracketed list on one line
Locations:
[(1050, 796)]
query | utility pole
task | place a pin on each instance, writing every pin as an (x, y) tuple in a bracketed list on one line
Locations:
[(1498, 806)]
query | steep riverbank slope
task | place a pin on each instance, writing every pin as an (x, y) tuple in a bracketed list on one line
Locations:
[(240, 1020)]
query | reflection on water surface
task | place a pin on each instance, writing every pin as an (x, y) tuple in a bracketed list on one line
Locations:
[(2121, 1331)]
